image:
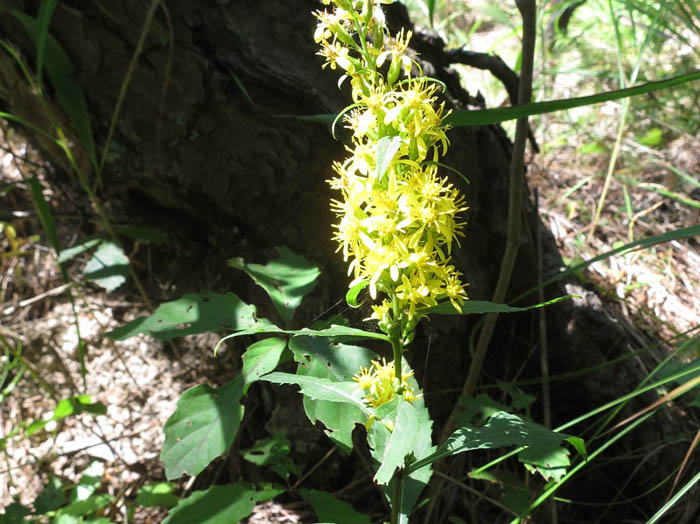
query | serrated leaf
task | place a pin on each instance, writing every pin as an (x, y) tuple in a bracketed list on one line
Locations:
[(401, 442), (333, 331), (502, 430), (108, 266), (203, 427), (386, 151), (216, 505), (286, 279), (191, 314), (416, 480), (261, 358), (322, 389), (319, 357), (157, 494), (331, 509)]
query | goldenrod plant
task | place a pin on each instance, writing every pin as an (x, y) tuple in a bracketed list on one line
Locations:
[(398, 222)]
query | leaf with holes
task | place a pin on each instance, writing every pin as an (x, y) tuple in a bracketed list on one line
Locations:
[(286, 279), (261, 358), (191, 314), (319, 357), (202, 428), (502, 430), (215, 505)]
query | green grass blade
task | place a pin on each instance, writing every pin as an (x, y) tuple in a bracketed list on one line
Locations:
[(68, 93), (43, 20), (44, 212), (431, 11), (642, 243), (675, 499), (494, 116)]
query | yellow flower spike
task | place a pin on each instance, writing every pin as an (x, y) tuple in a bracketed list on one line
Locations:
[(395, 232)]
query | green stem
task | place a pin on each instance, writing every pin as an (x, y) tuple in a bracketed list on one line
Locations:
[(396, 492), (395, 336)]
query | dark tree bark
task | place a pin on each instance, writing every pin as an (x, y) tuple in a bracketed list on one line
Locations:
[(192, 155)]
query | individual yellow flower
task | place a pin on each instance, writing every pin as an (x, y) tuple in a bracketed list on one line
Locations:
[(380, 384)]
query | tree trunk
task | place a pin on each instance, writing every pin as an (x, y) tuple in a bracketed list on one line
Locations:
[(193, 155)]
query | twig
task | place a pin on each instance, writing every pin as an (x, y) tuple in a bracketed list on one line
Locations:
[(498, 68), (528, 11)]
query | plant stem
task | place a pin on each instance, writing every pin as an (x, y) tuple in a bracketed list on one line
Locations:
[(395, 335), (396, 492)]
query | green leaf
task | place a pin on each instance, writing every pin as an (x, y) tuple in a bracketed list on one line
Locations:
[(203, 427), (652, 137), (108, 266), (88, 484), (87, 506), (477, 307), (71, 252), (60, 71), (14, 514), (52, 496), (216, 505), (378, 437), (68, 406), (330, 509), (157, 494), (482, 405), (322, 388), (286, 279), (261, 358), (148, 234), (274, 454), (502, 430), (386, 151), (319, 357), (494, 116), (549, 461), (191, 314), (333, 331), (44, 19), (353, 293), (431, 11), (44, 212), (401, 442)]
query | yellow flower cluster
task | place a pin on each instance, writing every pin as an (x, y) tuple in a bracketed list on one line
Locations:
[(397, 216), (381, 385)]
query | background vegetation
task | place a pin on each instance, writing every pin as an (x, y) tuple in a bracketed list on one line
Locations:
[(83, 415)]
